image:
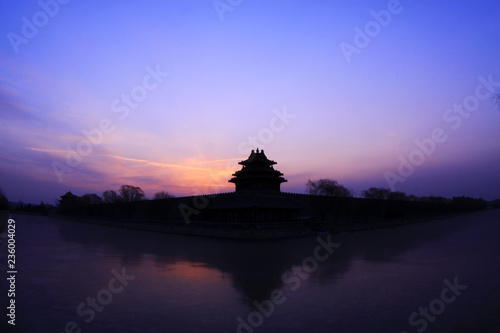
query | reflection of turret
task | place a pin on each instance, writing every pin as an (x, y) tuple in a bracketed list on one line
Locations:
[(255, 268)]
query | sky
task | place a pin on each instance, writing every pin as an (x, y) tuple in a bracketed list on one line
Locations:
[(170, 95)]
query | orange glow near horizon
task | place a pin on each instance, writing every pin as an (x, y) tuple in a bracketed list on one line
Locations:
[(191, 177), (196, 272), (187, 281)]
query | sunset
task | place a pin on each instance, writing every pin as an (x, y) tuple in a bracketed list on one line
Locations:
[(249, 166), (162, 96)]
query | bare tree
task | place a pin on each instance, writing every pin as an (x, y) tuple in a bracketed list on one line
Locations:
[(109, 196), (411, 197), (376, 193), (162, 195), (4, 203), (397, 195), (496, 98), (433, 198), (327, 187), (91, 199), (131, 193), (384, 194)]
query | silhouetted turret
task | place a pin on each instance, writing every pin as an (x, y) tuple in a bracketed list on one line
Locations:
[(257, 174)]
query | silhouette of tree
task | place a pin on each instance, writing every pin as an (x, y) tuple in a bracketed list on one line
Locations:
[(162, 195), (433, 198), (131, 193), (376, 193), (466, 203), (384, 194), (327, 187), (4, 203), (496, 98), (412, 198), (91, 199), (109, 196), (397, 195)]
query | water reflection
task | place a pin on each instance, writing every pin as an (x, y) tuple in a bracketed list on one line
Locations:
[(254, 268), (372, 282)]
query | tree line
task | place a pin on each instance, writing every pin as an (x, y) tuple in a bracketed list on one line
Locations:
[(323, 187), (330, 187), (126, 193), (4, 203)]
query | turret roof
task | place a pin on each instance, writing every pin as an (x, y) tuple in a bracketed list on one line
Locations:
[(257, 157)]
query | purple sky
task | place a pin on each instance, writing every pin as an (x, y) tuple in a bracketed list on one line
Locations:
[(174, 93)]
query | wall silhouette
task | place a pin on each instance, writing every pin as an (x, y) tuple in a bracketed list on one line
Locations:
[(313, 209)]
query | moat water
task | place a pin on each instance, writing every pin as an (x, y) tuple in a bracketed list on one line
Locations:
[(437, 276)]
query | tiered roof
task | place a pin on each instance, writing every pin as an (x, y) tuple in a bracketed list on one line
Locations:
[(257, 173)]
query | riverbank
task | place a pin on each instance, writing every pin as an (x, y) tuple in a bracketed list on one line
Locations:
[(4, 217), (354, 226), (256, 231), (235, 230)]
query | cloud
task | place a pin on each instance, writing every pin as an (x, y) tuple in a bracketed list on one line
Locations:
[(104, 170), (15, 111)]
